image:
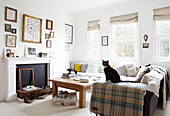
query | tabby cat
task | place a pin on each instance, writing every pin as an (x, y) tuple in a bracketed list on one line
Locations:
[(111, 74)]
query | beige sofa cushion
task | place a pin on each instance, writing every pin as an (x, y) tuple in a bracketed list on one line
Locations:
[(142, 71), (132, 71)]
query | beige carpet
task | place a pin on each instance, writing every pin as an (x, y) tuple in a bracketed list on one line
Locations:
[(46, 108)]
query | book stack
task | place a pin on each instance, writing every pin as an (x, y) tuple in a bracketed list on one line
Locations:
[(68, 75)]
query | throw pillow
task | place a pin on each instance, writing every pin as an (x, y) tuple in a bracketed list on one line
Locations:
[(142, 71), (101, 69), (78, 67), (92, 68), (120, 69), (72, 65), (131, 72), (83, 67)]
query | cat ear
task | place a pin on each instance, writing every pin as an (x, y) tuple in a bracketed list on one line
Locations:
[(108, 61), (102, 60)]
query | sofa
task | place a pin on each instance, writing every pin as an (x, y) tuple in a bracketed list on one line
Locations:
[(153, 78)]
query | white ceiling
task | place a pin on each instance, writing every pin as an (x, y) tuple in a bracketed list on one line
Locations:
[(82, 5)]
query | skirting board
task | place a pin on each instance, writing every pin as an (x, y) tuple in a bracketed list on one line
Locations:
[(11, 97), (2, 97)]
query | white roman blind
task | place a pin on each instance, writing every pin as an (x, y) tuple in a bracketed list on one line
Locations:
[(162, 14), (93, 25), (124, 19)]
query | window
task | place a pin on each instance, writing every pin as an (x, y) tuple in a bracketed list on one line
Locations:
[(162, 33), (124, 37), (93, 40), (163, 39), (124, 40), (93, 44)]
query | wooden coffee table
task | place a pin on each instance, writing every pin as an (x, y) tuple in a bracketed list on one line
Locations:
[(74, 85)]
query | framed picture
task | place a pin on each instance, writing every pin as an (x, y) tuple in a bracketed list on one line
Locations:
[(49, 24), (30, 51), (68, 34), (104, 40), (14, 31), (47, 36), (48, 43), (145, 45), (10, 14), (7, 51), (11, 40), (52, 34), (32, 29), (7, 28)]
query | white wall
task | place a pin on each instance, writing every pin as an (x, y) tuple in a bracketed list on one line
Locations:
[(43, 9), (145, 12)]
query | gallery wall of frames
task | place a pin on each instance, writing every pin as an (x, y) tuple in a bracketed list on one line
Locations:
[(31, 33)]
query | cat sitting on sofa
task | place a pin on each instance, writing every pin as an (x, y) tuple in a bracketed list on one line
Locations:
[(111, 74)]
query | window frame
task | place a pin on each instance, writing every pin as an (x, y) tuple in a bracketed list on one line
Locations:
[(137, 46), (90, 58), (157, 57)]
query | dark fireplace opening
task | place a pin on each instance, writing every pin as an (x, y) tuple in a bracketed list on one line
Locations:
[(40, 74)]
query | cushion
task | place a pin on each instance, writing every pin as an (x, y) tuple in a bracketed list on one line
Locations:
[(129, 65), (120, 69), (131, 72), (83, 67), (78, 67), (142, 71), (92, 68), (72, 65), (101, 69)]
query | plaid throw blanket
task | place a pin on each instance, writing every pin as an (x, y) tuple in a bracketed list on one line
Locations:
[(117, 99)]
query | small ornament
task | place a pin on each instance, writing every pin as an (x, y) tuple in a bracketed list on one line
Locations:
[(145, 37)]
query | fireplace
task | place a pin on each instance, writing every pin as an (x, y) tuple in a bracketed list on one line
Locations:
[(11, 72), (40, 74)]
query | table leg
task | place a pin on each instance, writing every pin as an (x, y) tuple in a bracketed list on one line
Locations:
[(54, 89), (82, 98)]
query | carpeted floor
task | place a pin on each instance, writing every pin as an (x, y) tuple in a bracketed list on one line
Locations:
[(45, 107)]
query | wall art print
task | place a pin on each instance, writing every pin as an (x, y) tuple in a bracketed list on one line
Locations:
[(68, 34), (10, 14), (32, 29)]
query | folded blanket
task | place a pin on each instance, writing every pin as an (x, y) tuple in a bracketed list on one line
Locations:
[(165, 88), (152, 79), (117, 99)]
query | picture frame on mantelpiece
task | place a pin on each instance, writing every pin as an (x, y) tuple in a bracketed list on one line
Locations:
[(10, 14), (30, 51), (9, 51)]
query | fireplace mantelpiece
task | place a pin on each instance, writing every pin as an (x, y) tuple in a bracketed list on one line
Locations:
[(11, 72)]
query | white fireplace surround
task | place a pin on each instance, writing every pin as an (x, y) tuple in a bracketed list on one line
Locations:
[(11, 72)]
